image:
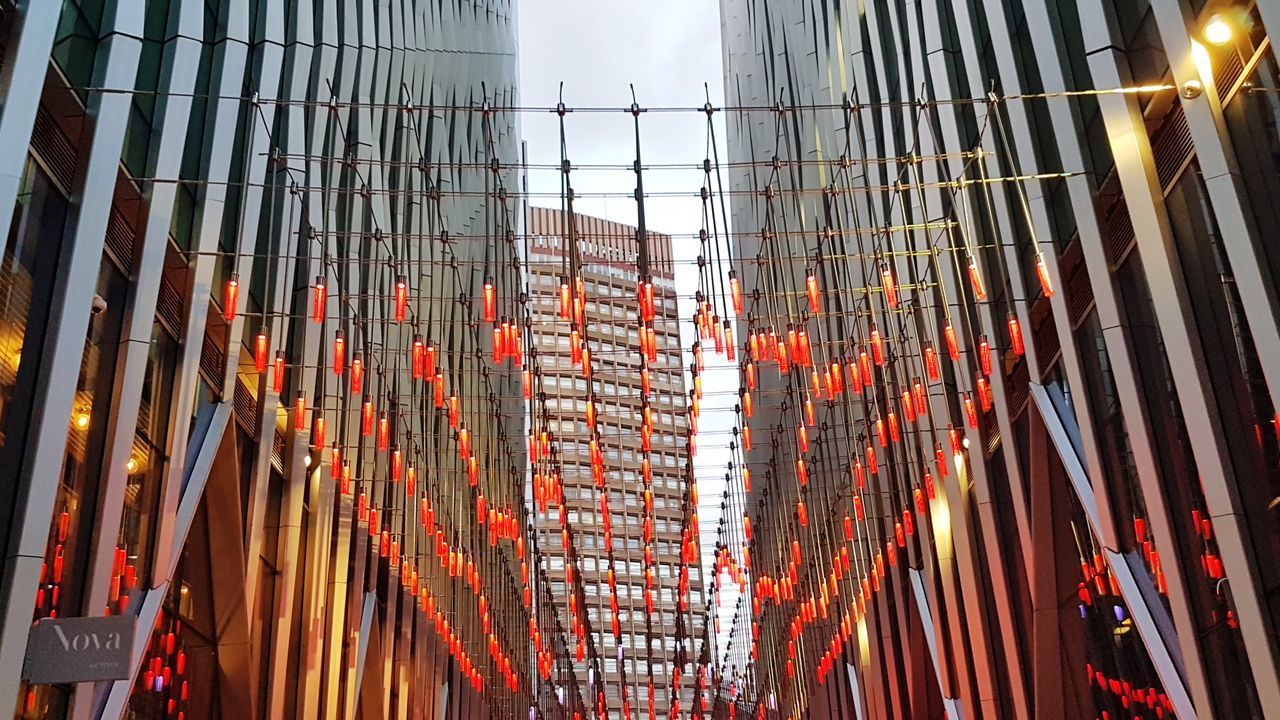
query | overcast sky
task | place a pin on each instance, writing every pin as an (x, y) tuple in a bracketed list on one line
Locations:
[(670, 50)]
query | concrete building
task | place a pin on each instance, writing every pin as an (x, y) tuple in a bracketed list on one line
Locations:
[(657, 634), (1078, 518), (226, 224)]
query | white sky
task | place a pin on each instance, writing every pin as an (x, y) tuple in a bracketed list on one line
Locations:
[(671, 51)]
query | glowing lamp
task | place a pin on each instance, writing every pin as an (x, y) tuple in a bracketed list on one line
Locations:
[(231, 297), (1218, 31), (318, 296), (260, 351)]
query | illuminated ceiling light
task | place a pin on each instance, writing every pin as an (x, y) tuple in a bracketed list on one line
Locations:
[(132, 466), (81, 420), (1219, 31)]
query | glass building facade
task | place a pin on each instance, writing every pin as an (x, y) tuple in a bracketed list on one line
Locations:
[(233, 233), (1079, 517)]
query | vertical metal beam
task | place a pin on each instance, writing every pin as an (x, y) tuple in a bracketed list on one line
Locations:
[(107, 114), (1082, 189), (22, 72), (1189, 61), (173, 111), (1135, 166)]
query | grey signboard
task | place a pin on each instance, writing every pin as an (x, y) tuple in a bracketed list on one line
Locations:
[(82, 649)]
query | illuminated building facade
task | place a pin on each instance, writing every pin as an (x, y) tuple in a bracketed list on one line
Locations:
[(245, 393), (659, 623), (1031, 246)]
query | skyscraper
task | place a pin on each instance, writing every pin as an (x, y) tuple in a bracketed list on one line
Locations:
[(1029, 247), (625, 486), (240, 398)]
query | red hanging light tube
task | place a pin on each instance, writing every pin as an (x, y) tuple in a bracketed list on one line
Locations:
[(921, 398), (318, 297), (975, 279), (931, 363), (566, 307), (402, 298), (953, 345), (339, 352), (1015, 336), (419, 357), (890, 286), (490, 301), (877, 345), (1042, 271), (231, 297), (984, 393), (811, 288), (970, 412), (357, 373), (260, 351)]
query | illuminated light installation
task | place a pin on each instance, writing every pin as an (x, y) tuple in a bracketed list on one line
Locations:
[(231, 297), (931, 363), (401, 299), (319, 295), (260, 343), (889, 285), (890, 409), (890, 399), (1042, 272), (357, 373), (953, 346), (975, 280), (984, 355), (339, 353), (277, 375), (1015, 336)]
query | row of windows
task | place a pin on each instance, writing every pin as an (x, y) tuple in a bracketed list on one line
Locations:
[(612, 290), (607, 408), (591, 564)]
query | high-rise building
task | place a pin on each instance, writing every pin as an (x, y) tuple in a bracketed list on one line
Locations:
[(245, 394), (631, 516), (1031, 245)]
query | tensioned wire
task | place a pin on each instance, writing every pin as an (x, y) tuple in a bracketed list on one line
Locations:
[(434, 193), (485, 108)]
